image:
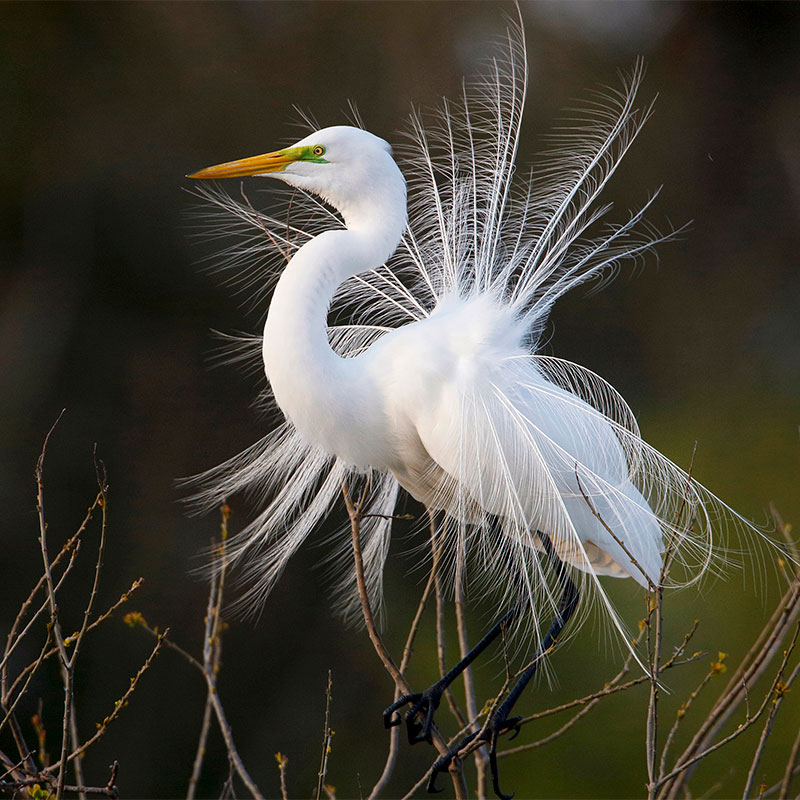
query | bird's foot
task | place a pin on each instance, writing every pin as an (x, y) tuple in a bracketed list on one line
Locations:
[(496, 726), (423, 704)]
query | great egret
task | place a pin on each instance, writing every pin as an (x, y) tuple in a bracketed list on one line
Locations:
[(436, 382)]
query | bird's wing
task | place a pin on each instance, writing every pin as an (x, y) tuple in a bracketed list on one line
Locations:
[(500, 436)]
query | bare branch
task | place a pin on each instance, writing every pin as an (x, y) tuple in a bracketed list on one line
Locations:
[(212, 647), (118, 706), (55, 625), (211, 656), (551, 737), (394, 733), (441, 647), (31, 672), (200, 753), (619, 541), (480, 755), (683, 766), (354, 514), (109, 790), (282, 762), (780, 693), (587, 702), (123, 598), (750, 669), (326, 739), (70, 546), (791, 768), (681, 713)]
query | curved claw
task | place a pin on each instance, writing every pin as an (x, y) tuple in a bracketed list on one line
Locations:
[(489, 736), (493, 768), (493, 755), (439, 766), (421, 731), (413, 729), (389, 721), (421, 702)]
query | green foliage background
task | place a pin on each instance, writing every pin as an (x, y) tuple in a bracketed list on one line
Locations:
[(103, 311)]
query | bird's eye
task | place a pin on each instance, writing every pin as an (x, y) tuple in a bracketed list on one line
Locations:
[(319, 150)]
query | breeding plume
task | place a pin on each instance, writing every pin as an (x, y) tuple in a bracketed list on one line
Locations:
[(402, 342)]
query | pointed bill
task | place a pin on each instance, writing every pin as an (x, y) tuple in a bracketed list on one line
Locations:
[(255, 165)]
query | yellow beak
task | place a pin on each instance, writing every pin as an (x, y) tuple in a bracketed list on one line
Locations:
[(255, 165)]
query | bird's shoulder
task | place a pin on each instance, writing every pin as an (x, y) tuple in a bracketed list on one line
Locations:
[(462, 341)]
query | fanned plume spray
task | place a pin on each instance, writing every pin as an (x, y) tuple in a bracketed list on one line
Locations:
[(496, 252)]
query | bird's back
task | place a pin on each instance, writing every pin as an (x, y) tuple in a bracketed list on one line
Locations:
[(480, 431)]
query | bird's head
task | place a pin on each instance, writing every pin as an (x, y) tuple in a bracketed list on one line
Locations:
[(349, 167)]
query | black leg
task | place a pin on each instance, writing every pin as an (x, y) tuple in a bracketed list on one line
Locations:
[(499, 722), (428, 701)]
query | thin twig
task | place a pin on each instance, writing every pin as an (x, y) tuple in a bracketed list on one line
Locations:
[(102, 493), (110, 790), (551, 737), (68, 641), (587, 702), (210, 666), (608, 689), (652, 706), (212, 648), (786, 532), (480, 755), (55, 625), (70, 546), (235, 759), (35, 666), (118, 706), (619, 541), (11, 769), (488, 710), (682, 767), (77, 764), (394, 733), (233, 754), (791, 768), (77, 639), (372, 629), (200, 753), (326, 739), (415, 788), (681, 713), (354, 512), (441, 647), (136, 620), (282, 762), (19, 740), (780, 693), (750, 669)]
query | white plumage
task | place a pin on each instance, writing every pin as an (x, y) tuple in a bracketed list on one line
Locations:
[(433, 380)]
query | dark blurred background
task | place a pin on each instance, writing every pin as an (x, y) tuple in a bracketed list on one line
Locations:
[(104, 312)]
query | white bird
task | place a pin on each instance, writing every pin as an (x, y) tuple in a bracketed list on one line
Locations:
[(437, 384)]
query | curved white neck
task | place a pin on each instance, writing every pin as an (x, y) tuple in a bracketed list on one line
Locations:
[(316, 389)]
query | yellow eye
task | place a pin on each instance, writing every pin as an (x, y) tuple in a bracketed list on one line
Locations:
[(319, 150)]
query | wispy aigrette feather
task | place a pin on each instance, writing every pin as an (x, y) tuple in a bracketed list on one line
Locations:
[(486, 254)]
